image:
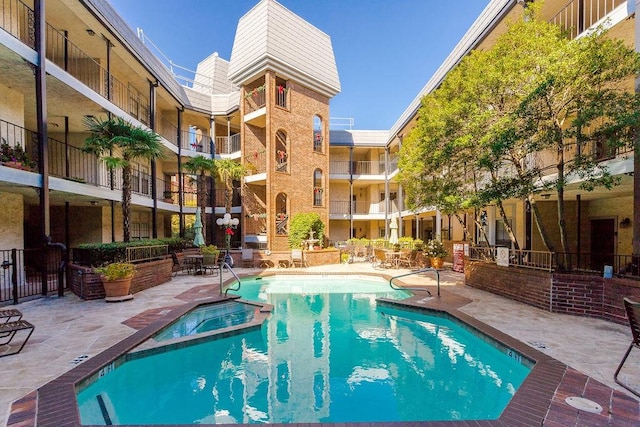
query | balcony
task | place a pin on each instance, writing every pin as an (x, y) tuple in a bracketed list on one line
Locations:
[(361, 167), (228, 145), (257, 164), (546, 160), (17, 19), (340, 208), (195, 140), (580, 15)]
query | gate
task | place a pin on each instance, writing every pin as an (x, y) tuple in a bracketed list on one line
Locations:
[(29, 272)]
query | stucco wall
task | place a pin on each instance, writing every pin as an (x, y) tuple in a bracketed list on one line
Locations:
[(11, 221)]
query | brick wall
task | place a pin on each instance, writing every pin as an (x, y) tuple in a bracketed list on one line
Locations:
[(581, 295), (322, 257), (87, 285)]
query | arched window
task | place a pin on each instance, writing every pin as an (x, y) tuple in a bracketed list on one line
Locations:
[(318, 189), (282, 152), (317, 134), (282, 218)]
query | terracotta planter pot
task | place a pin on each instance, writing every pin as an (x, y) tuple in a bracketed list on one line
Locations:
[(437, 263), (117, 290)]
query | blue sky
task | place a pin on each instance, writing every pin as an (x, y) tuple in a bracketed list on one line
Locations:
[(385, 50)]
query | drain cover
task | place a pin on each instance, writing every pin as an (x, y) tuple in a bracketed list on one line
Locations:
[(583, 404)]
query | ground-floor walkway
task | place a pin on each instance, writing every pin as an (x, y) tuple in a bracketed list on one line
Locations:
[(69, 331)]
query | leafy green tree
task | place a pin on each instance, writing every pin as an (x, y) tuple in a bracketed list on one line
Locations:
[(227, 171), (535, 91), (119, 143), (301, 225), (202, 167)]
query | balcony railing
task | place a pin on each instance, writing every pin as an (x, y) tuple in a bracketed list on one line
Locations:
[(346, 207), (168, 131), (196, 141), (255, 99), (66, 55), (228, 145), (546, 160), (17, 19), (257, 162), (360, 167), (281, 96), (580, 15)]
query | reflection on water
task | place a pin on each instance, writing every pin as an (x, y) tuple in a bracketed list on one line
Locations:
[(332, 357)]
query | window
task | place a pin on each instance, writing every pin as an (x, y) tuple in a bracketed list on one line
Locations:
[(318, 189), (317, 134), (281, 92), (282, 153), (282, 218)]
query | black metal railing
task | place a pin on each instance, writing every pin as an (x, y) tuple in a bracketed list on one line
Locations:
[(22, 270), (18, 19)]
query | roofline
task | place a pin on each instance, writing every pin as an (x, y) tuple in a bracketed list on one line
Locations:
[(269, 62), (482, 26)]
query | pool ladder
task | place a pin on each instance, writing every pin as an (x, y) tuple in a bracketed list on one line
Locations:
[(233, 273), (424, 270)]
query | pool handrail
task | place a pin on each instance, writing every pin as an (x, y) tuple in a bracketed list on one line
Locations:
[(222, 265), (423, 270)]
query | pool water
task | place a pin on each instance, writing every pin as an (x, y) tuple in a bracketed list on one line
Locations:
[(332, 355), (208, 318)]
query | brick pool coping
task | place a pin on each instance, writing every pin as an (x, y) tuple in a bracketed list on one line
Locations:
[(538, 401)]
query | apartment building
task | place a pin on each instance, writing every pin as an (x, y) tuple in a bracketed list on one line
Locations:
[(600, 221), (266, 107)]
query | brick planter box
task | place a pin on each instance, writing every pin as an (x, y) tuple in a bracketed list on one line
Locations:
[(577, 294), (87, 284)]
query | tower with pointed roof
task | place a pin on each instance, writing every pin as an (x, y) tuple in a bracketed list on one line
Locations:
[(287, 73)]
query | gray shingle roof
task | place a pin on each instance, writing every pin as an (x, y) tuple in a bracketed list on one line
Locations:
[(270, 36)]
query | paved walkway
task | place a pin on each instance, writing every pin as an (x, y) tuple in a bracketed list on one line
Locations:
[(69, 330)]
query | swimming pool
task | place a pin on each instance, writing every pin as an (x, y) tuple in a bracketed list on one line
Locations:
[(325, 355)]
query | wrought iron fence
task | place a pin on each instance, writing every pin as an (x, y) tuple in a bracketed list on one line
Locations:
[(621, 265), (146, 253), (22, 272)]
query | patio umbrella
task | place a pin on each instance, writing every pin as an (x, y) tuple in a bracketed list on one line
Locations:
[(393, 239), (198, 238)]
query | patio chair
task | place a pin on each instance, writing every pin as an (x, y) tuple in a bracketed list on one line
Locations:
[(179, 264), (247, 258), (633, 315), (211, 262), (297, 258), (8, 331), (408, 259)]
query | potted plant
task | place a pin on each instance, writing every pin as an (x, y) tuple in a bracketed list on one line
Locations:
[(15, 156), (116, 279), (168, 196), (436, 251)]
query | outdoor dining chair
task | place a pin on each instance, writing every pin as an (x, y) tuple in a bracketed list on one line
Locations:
[(633, 315)]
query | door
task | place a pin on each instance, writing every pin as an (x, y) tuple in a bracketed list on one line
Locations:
[(602, 243)]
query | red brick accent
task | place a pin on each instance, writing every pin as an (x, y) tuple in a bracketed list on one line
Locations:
[(87, 285), (576, 294), (322, 257)]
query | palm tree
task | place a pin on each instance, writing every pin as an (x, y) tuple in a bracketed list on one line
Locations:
[(227, 171), (118, 143), (201, 167)]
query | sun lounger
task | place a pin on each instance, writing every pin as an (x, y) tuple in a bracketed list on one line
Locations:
[(10, 330)]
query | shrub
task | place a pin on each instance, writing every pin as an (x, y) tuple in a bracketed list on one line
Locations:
[(117, 271), (435, 249), (101, 254), (300, 226)]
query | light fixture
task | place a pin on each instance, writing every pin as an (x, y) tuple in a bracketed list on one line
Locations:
[(228, 222), (545, 196), (91, 32), (93, 203), (626, 222)]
